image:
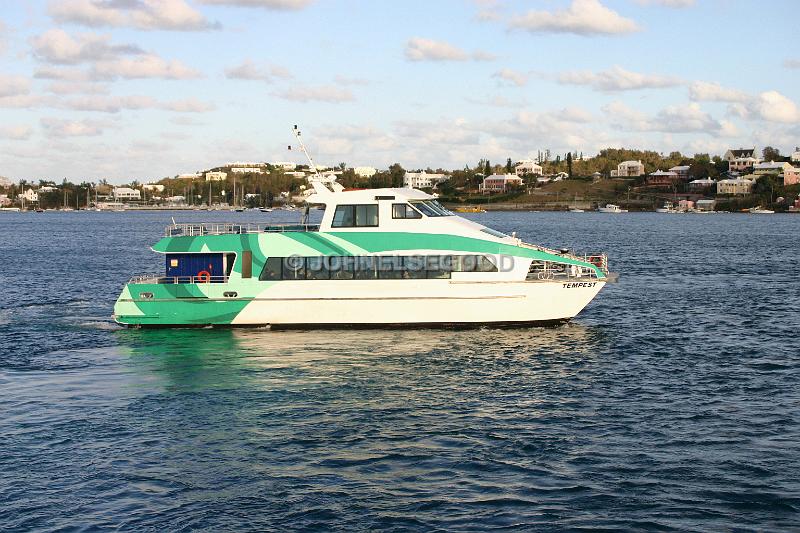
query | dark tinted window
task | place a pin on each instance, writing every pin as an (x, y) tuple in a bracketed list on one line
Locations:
[(272, 269)]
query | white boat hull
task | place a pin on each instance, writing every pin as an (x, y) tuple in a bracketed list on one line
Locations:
[(426, 302)]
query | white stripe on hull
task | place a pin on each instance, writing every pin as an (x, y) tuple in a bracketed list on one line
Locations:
[(416, 302)]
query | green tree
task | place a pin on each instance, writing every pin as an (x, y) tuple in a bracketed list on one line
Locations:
[(771, 154), (487, 169), (509, 166), (396, 174), (569, 164)]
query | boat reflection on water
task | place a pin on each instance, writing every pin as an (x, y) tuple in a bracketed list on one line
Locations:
[(223, 358)]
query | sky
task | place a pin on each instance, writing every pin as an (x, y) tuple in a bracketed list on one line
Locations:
[(143, 89)]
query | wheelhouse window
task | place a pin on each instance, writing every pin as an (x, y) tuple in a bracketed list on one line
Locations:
[(355, 216), (431, 208), (404, 211)]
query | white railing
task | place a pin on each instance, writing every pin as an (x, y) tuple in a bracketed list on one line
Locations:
[(226, 228), (158, 279)]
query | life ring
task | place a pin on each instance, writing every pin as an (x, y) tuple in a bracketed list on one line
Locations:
[(204, 276)]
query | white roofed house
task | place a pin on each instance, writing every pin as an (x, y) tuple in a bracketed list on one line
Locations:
[(795, 157), (153, 187), (126, 193), (216, 176), (682, 171), (698, 185), (628, 169), (740, 153), (771, 168), (365, 172), (30, 195), (189, 176), (735, 186), (527, 167), (247, 170), (500, 182), (423, 180)]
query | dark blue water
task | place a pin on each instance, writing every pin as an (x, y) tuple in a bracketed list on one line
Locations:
[(670, 403)]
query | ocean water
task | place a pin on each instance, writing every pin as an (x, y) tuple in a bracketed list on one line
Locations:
[(671, 403)]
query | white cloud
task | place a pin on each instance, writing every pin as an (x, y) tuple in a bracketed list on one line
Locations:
[(141, 14), (60, 73), (248, 70), (714, 92), (582, 17), (145, 66), (286, 5), (345, 80), (667, 3), (15, 132), (56, 46), (54, 127), (681, 118), (488, 10), (316, 93), (76, 87), (188, 105), (421, 49), (772, 106), (3, 33), (14, 85), (617, 79), (791, 63), (520, 79)]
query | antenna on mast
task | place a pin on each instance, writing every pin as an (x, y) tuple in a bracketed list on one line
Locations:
[(296, 133)]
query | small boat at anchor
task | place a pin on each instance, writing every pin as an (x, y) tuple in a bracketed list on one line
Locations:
[(611, 208)]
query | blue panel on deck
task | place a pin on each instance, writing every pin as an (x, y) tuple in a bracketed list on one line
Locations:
[(192, 264)]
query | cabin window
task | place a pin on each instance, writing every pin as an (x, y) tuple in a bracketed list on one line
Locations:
[(365, 268), (355, 216), (272, 269), (404, 211), (342, 267), (317, 268), (294, 268)]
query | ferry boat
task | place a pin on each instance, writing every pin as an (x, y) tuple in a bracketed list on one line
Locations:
[(380, 257), (668, 208)]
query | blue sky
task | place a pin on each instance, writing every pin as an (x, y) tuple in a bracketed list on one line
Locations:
[(141, 89)]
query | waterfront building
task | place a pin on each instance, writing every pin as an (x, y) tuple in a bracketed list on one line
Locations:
[(283, 165), (153, 187), (527, 167), (685, 205), (795, 157), (126, 193), (365, 172), (216, 176), (735, 186), (423, 180), (771, 168), (682, 171), (660, 178), (628, 169), (705, 205), (4, 200), (791, 176), (500, 182), (697, 185), (247, 170)]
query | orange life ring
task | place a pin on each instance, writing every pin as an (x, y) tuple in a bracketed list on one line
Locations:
[(204, 276)]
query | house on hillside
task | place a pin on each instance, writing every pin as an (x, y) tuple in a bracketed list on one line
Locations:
[(247, 170), (216, 176), (701, 184), (30, 195), (527, 167), (682, 171), (791, 176), (364, 172), (740, 153), (795, 157), (188, 176), (126, 193), (423, 180), (660, 178), (500, 182), (771, 167), (735, 186), (743, 164), (628, 169), (157, 187)]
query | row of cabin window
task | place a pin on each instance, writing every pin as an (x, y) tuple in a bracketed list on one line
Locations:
[(366, 215), (373, 267)]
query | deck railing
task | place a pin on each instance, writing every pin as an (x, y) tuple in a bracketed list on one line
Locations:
[(227, 228), (158, 279)]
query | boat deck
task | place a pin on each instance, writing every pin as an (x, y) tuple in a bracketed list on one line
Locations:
[(233, 228)]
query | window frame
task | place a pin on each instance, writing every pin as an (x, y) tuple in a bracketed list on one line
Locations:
[(354, 216), (406, 207)]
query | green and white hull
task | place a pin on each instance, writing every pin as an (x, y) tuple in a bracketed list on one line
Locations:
[(423, 271)]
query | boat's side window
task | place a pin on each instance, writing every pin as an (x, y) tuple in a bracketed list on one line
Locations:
[(404, 211), (350, 216), (485, 265), (294, 268), (414, 267), (272, 269), (317, 268), (390, 267), (439, 266), (365, 268), (341, 267)]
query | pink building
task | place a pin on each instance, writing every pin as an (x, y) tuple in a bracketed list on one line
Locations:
[(500, 182), (791, 177)]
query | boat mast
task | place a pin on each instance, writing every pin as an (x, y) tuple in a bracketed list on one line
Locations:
[(296, 133)]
